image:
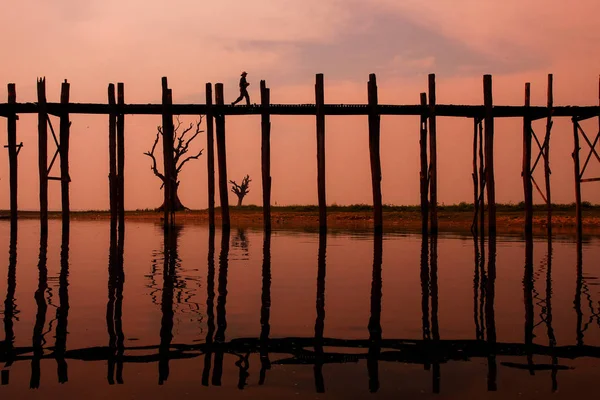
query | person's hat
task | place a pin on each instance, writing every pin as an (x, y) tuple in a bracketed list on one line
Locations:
[(244, 73)]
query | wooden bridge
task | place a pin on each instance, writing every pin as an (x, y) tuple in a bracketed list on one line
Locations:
[(427, 109)]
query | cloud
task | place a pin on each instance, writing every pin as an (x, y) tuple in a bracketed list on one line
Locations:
[(380, 39)]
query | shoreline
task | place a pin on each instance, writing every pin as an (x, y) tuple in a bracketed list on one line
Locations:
[(350, 218)]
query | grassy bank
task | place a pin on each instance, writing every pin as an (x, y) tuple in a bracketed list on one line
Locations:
[(457, 217)]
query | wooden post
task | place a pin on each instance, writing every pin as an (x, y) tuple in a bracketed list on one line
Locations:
[(475, 176), (210, 156), (265, 98), (526, 171), (12, 152), (433, 155), (320, 114), (481, 183), (423, 174), (43, 153), (167, 122), (547, 152), (65, 126), (374, 152), (578, 216), (222, 155), (121, 156), (489, 152), (112, 156)]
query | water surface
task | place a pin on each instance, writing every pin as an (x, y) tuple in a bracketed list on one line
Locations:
[(244, 314)]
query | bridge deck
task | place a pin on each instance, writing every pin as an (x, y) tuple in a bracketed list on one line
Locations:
[(443, 110)]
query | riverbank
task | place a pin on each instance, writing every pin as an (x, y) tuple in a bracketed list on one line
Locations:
[(455, 218)]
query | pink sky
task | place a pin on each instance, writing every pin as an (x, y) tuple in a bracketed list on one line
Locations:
[(92, 43)]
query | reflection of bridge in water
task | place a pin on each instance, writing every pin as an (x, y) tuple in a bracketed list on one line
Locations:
[(430, 350)]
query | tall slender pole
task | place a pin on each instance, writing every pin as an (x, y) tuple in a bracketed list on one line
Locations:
[(489, 152), (12, 151), (265, 98), (526, 171), (475, 176), (374, 152), (433, 154), (222, 154), (43, 153), (65, 125), (320, 114), (424, 182), (547, 152), (167, 123), (578, 216), (112, 157), (121, 156), (210, 156)]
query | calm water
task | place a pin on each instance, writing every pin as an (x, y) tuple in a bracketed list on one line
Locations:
[(292, 314)]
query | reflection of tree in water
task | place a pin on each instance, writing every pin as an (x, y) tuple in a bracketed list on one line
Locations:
[(185, 285), (240, 245)]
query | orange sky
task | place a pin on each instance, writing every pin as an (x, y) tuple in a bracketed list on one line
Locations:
[(285, 42)]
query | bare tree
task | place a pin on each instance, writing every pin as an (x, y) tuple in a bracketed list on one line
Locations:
[(241, 190), (181, 146)]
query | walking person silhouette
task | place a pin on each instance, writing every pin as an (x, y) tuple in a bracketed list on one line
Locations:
[(243, 90)]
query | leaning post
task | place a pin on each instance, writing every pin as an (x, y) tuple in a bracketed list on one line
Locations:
[(433, 154), (12, 151), (222, 155), (320, 115), (489, 152), (576, 165), (374, 152), (121, 155), (547, 152), (112, 156), (424, 181), (265, 98), (43, 153), (210, 156), (167, 123), (526, 170), (64, 134)]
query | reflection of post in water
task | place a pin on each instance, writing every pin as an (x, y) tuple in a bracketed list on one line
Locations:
[(550, 329), (528, 300), (40, 317), (375, 319), (170, 260), (240, 240), (578, 289), (62, 312), (425, 291), (265, 308), (490, 317), (435, 328), (479, 279), (210, 298), (221, 301), (10, 307), (320, 321), (114, 308)]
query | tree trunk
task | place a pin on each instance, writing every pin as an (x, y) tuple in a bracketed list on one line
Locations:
[(177, 204), (240, 198)]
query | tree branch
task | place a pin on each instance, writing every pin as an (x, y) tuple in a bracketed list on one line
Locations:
[(188, 159), (150, 154)]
